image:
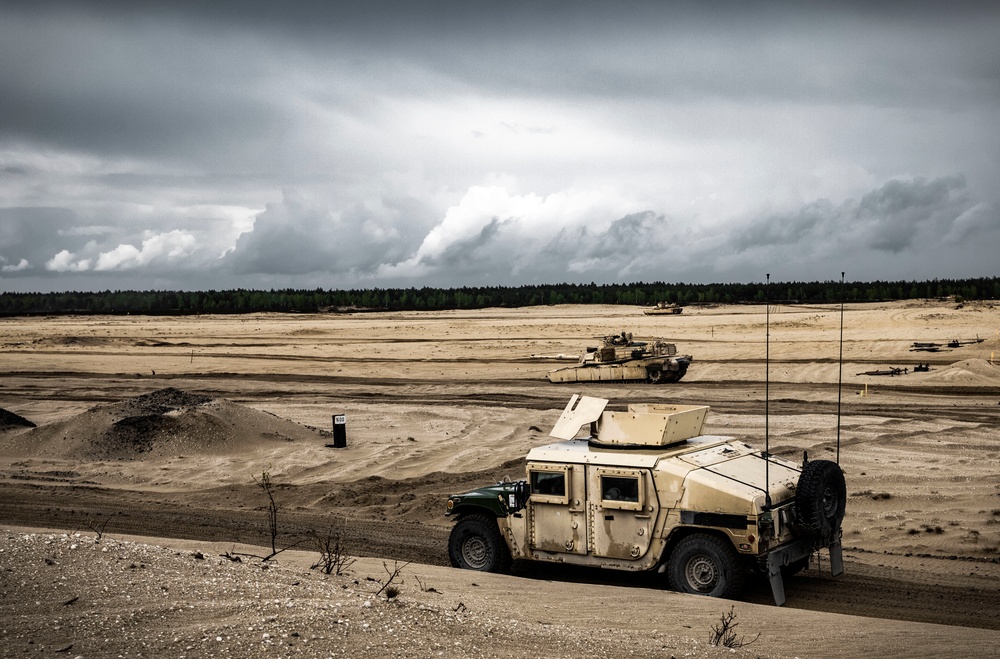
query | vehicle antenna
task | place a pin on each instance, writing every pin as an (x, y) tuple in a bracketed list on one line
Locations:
[(840, 380), (767, 397)]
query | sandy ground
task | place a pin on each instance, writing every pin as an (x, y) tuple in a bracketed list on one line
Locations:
[(442, 402)]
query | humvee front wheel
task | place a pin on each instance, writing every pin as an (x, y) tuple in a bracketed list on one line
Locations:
[(703, 564), (476, 544)]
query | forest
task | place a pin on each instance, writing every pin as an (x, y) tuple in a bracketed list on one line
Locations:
[(477, 297)]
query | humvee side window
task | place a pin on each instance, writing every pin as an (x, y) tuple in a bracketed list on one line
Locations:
[(552, 483), (616, 488), (621, 491), (549, 483)]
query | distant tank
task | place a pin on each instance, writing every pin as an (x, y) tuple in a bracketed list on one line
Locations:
[(664, 309), (619, 358)]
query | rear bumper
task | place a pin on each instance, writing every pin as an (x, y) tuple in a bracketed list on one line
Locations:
[(786, 554)]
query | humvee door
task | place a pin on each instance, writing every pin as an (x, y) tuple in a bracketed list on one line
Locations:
[(556, 510), (624, 504)]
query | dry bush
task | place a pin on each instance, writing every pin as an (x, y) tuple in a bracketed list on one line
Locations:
[(267, 486), (333, 558), (724, 633), (98, 526), (388, 587)]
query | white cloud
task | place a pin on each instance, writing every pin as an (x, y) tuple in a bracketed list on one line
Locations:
[(157, 249), (169, 246), (18, 267), (66, 261), (492, 227)]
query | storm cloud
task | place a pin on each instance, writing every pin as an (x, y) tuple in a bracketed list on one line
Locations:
[(211, 145)]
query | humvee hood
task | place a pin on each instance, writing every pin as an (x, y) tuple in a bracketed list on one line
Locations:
[(734, 470)]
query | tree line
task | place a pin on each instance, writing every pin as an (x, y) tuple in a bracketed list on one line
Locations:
[(477, 297)]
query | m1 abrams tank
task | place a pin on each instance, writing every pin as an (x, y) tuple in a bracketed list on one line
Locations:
[(664, 309), (619, 358)]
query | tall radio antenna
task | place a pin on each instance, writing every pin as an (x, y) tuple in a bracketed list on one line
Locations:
[(840, 378), (767, 391)]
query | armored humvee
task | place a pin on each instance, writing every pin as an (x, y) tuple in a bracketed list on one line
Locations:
[(619, 358), (645, 490)]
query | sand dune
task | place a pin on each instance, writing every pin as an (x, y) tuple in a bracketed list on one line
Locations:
[(159, 425)]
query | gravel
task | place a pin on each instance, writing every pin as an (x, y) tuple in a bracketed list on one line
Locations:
[(77, 596)]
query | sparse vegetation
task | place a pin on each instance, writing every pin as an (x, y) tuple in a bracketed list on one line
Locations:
[(425, 589), (390, 589), (875, 496), (98, 526), (333, 558), (724, 633), (267, 486), (927, 528)]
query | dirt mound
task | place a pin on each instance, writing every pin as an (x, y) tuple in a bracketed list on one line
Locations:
[(82, 341), (161, 402), (9, 421), (969, 372), (162, 423)]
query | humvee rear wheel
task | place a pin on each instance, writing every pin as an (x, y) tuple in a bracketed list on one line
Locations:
[(476, 544), (703, 564)]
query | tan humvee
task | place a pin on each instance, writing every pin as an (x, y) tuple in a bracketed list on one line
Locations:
[(645, 490)]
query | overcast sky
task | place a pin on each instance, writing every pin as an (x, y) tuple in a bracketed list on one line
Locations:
[(267, 145)]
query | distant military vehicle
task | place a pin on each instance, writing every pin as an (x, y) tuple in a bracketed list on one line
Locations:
[(619, 358), (664, 309), (647, 491)]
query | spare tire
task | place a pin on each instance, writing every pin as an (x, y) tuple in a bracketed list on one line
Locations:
[(820, 499)]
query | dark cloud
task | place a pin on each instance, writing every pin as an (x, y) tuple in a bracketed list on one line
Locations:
[(904, 226), (297, 236), (814, 221), (469, 252), (32, 236), (636, 233), (896, 213), (142, 139), (891, 218)]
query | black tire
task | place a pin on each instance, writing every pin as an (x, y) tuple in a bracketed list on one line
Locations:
[(476, 544), (703, 564), (654, 376), (820, 499)]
